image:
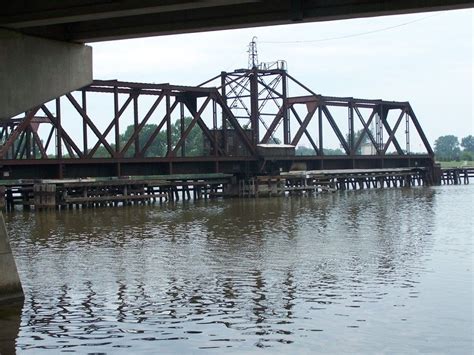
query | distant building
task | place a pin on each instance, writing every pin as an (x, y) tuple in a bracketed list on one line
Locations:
[(367, 149)]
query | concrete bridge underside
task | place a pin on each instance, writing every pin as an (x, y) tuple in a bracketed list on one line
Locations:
[(88, 20)]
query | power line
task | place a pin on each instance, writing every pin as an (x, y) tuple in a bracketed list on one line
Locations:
[(351, 35)]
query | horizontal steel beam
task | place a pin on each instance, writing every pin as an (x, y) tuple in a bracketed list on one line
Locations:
[(344, 101), (37, 169)]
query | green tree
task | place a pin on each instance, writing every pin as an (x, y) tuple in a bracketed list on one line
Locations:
[(301, 150), (194, 144), (447, 148), (337, 151), (468, 144), (465, 155), (102, 152), (158, 148)]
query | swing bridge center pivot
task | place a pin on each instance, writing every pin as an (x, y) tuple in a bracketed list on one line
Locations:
[(244, 123)]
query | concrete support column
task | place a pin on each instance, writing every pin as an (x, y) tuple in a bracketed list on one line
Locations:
[(36, 70), (10, 285)]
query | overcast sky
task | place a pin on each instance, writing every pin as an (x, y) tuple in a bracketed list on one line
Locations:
[(424, 58)]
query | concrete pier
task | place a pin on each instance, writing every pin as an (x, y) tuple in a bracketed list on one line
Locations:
[(10, 285), (36, 70)]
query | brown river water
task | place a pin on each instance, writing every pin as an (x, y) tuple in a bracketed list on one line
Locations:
[(374, 271)]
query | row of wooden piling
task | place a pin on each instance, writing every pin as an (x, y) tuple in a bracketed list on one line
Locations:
[(308, 183), (89, 193), (456, 176), (302, 182)]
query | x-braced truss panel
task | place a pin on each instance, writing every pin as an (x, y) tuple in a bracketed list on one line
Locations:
[(119, 120), (350, 126)]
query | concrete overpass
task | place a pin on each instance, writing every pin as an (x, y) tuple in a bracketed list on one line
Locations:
[(98, 20), (42, 42)]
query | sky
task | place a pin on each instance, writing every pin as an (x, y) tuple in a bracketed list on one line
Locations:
[(424, 58)]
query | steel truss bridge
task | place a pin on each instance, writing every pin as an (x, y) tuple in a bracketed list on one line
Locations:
[(245, 121)]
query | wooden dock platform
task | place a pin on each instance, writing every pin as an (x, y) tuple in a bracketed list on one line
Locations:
[(96, 192), (456, 176), (103, 192), (313, 181)]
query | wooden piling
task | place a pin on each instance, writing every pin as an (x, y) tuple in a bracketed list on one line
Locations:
[(44, 196)]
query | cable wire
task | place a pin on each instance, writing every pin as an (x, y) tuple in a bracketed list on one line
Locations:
[(351, 35)]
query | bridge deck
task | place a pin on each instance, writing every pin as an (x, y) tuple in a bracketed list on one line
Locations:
[(87, 21)]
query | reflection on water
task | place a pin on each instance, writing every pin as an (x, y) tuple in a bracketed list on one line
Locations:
[(10, 319), (345, 272)]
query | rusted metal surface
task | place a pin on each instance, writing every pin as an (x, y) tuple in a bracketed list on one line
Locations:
[(82, 133)]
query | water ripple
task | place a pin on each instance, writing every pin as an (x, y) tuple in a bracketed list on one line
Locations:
[(287, 273)]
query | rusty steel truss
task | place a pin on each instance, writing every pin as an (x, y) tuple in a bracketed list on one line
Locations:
[(83, 133)]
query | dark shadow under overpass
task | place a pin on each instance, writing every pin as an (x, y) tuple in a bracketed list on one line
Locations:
[(99, 20)]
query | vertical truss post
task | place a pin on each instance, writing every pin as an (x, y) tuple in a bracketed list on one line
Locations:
[(350, 115), (286, 117), (168, 125), (59, 130), (379, 127), (407, 132), (182, 128), (224, 98), (84, 123), (254, 112), (117, 126), (214, 125), (135, 126), (320, 129)]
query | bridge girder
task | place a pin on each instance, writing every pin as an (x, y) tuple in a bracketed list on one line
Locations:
[(99, 20)]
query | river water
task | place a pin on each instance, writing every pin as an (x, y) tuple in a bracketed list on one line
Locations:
[(374, 271)]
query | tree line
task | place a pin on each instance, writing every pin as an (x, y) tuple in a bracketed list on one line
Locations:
[(448, 148), (193, 144)]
